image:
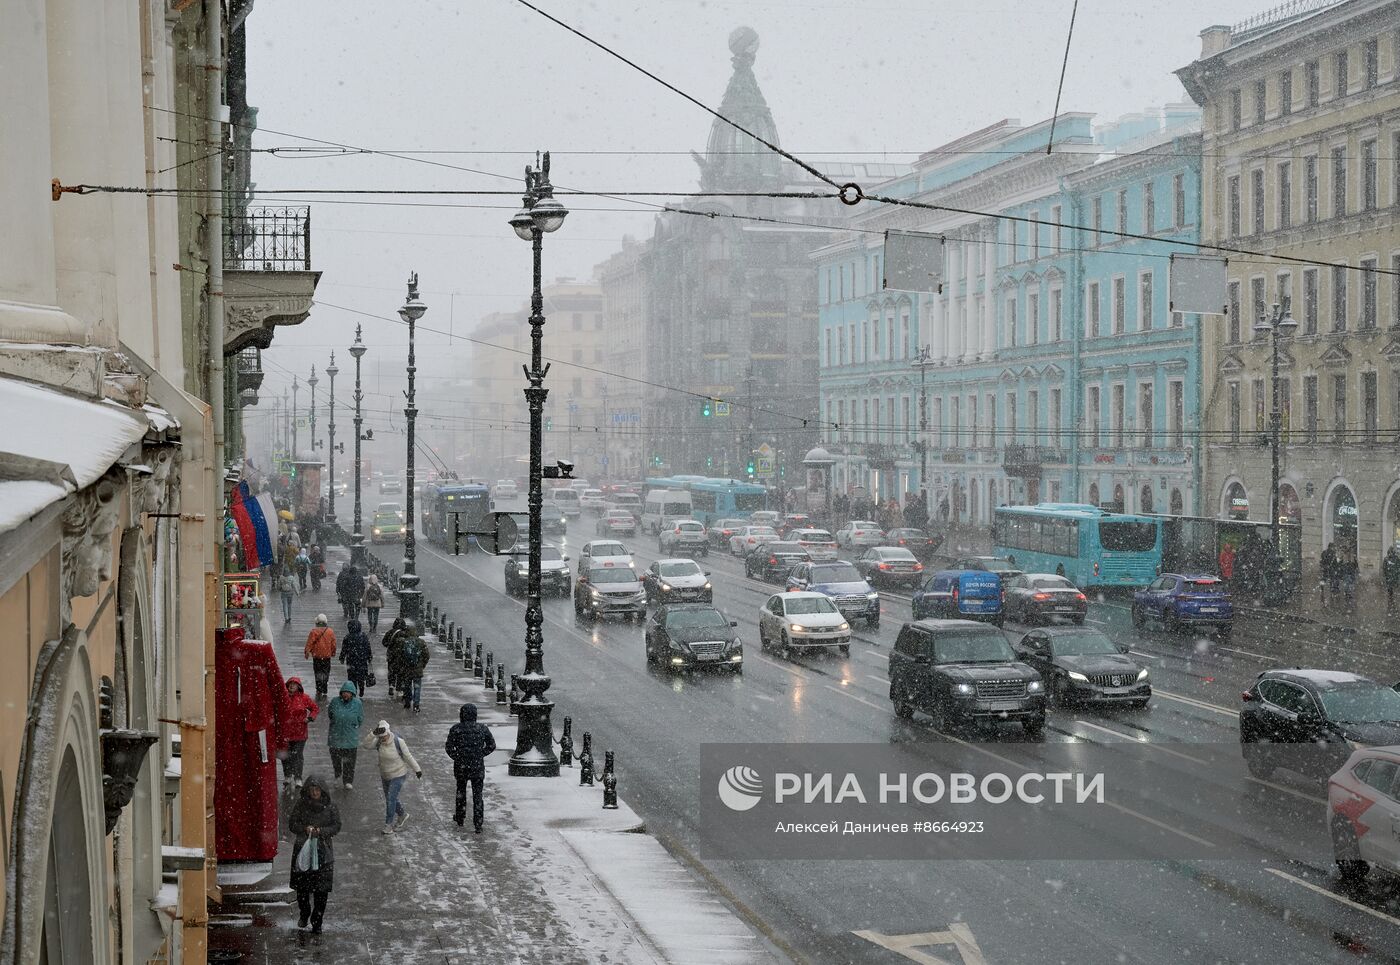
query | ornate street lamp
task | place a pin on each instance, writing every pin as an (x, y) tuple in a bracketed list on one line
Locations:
[(534, 744), (410, 597), (922, 361), (332, 371), (313, 382), (1278, 321), (357, 539)]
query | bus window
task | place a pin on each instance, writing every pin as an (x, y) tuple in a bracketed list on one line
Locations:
[(703, 502), (748, 502), (1132, 537)]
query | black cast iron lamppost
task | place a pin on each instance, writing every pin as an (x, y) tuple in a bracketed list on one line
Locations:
[(313, 382), (357, 539), (1277, 321), (534, 744), (923, 360), (332, 371), (410, 597)]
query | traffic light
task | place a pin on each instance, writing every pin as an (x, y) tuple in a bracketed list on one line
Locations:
[(749, 468), (709, 462), (656, 459), (548, 423), (707, 408)]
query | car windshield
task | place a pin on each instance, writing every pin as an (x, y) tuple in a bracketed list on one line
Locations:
[(690, 528), (1051, 583), (695, 619), (686, 568), (1131, 536), (1086, 643), (896, 554), (996, 565), (972, 647), (607, 549), (1204, 587), (625, 499), (816, 536), (617, 574), (863, 524), (809, 604), (620, 514), (761, 531), (1361, 703), (839, 573), (550, 553), (386, 519), (778, 548)]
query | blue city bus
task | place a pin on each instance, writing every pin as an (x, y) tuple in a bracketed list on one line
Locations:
[(713, 499), (1091, 546), (466, 503)]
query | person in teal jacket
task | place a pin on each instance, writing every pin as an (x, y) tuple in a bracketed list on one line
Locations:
[(347, 716)]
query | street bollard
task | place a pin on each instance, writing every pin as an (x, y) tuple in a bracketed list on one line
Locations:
[(466, 651), (452, 634), (514, 694), (455, 642), (490, 671), (461, 635), (500, 684), (566, 744), (585, 762), (477, 666), (444, 632), (609, 783)]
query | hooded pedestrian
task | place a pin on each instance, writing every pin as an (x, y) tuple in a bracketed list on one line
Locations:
[(347, 716), (1390, 571), (302, 564), (393, 654), (396, 762), (373, 600), (356, 654), (318, 567), (313, 822), (413, 661), (301, 711), (468, 744), (350, 589), (320, 648), (287, 590)]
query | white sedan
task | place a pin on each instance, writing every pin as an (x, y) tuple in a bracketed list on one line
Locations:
[(748, 538), (860, 533), (802, 619)]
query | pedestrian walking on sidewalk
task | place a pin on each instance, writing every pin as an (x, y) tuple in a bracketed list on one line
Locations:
[(287, 590), (347, 716), (302, 564), (356, 654), (349, 590), (1390, 571), (468, 744), (396, 762), (301, 711), (313, 822), (413, 661), (393, 655), (317, 557), (373, 600), (320, 648), (1331, 575)]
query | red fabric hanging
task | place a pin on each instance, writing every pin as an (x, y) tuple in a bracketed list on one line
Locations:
[(250, 699), (247, 532)]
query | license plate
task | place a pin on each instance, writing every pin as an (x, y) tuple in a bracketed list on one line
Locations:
[(1006, 705), (707, 656), (1210, 609)]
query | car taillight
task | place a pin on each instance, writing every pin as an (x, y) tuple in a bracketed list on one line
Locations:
[(901, 542), (1041, 596), (773, 560), (1081, 597), (918, 567), (884, 566), (1096, 568), (1246, 696), (955, 594)]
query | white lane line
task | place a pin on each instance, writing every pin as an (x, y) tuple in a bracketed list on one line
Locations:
[(781, 666), (1195, 703), (1334, 896), (847, 692), (1141, 654), (1248, 653), (871, 676), (1130, 738), (876, 653)]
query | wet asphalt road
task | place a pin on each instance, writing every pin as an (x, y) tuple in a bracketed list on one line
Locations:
[(1282, 904)]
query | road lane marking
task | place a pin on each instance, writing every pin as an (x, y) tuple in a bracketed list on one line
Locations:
[(1135, 740), (958, 935), (876, 677), (1196, 703), (848, 693), (876, 653), (1334, 896)]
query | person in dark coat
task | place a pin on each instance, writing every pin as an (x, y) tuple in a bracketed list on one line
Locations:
[(1390, 571), (393, 655), (355, 652), (415, 656), (313, 817), (350, 590), (468, 744)]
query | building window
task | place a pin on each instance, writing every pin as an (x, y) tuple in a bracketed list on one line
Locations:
[(1118, 415), (1013, 236), (1370, 63), (1054, 420), (1176, 399), (1369, 188), (1340, 82), (905, 405), (1256, 190), (1098, 221), (1033, 415), (1178, 200), (904, 341), (938, 422), (1339, 407), (973, 423), (1120, 298), (1283, 290), (1232, 214), (865, 421), (1370, 406), (1032, 318), (1123, 211), (1395, 148), (1261, 404), (1369, 308), (1234, 412), (1284, 387), (875, 339), (1256, 302), (1313, 72), (1310, 407), (1145, 301), (1339, 181), (1177, 320), (1260, 93), (1285, 92), (1145, 414), (852, 346), (1149, 209), (1235, 325), (1057, 304), (1285, 195), (576, 322), (1093, 416), (1339, 298), (1310, 188), (1034, 228), (578, 355), (827, 360), (1057, 217), (1309, 301), (1012, 419), (1236, 109), (1011, 322), (955, 423), (1092, 309)]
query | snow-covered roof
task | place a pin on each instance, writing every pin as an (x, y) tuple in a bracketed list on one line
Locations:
[(52, 444)]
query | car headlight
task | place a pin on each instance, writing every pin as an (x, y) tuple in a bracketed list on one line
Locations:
[(796, 627), (872, 596), (707, 586), (376, 531), (596, 595), (666, 587), (844, 626), (1034, 687), (1073, 675), (1142, 674), (736, 644), (965, 688)]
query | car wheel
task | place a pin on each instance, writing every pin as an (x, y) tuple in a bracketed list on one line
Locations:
[(873, 622), (845, 649), (1139, 620), (1351, 868), (1258, 765), (1034, 727), (901, 710), (1059, 692), (786, 647)]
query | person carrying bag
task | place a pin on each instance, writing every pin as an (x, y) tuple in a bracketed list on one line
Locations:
[(313, 822)]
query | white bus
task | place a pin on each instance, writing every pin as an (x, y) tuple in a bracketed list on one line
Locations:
[(662, 506)]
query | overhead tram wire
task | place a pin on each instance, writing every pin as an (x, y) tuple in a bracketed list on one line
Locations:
[(1060, 88)]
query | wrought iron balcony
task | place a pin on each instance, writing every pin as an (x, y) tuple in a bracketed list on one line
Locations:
[(269, 239)]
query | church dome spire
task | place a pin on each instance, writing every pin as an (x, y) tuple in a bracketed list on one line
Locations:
[(734, 160)]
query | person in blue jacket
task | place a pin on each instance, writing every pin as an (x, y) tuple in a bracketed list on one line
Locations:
[(347, 716)]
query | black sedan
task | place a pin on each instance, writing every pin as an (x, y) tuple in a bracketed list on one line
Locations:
[(1084, 666), (773, 562), (1044, 598), (693, 635), (916, 541), (1309, 721), (554, 573)]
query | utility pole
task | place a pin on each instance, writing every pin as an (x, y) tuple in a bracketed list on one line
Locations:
[(607, 427), (748, 381)]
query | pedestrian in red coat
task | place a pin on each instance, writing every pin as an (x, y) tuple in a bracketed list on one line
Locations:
[(301, 711)]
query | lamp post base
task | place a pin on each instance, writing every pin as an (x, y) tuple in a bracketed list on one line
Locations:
[(357, 549), (534, 742)]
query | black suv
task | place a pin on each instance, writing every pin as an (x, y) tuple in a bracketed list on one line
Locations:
[(681, 635), (1327, 712), (961, 670), (773, 562)]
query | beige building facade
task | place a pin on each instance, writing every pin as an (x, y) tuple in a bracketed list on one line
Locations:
[(1302, 160), (623, 281)]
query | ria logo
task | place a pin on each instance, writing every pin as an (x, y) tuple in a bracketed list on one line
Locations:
[(740, 788)]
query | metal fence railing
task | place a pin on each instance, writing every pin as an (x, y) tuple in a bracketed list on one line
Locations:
[(269, 239)]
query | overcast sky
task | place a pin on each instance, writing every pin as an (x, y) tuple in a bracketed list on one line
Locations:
[(493, 80)]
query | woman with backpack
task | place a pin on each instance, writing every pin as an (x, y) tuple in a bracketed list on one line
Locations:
[(355, 653), (373, 600), (396, 762), (318, 567), (313, 821)]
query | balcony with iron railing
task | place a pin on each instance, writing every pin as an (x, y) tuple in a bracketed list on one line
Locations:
[(268, 279), (269, 239)]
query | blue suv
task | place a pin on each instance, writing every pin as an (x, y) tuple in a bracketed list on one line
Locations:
[(853, 596), (961, 595), (1187, 600)]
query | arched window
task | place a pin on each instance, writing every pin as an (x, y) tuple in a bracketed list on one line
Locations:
[(1145, 500), (1235, 501), (1342, 518), (1177, 504), (1093, 494)]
